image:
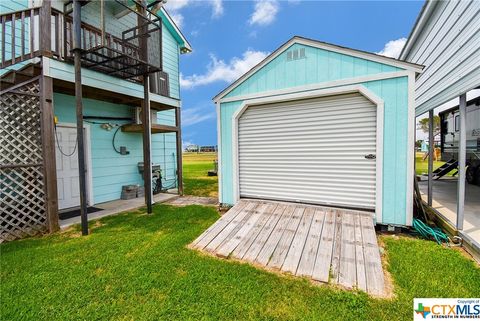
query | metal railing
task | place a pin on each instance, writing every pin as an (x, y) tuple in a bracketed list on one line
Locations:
[(36, 32)]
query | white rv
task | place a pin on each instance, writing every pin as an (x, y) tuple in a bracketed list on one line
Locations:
[(450, 126)]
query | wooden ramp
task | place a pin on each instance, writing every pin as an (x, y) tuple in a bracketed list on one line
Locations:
[(325, 244)]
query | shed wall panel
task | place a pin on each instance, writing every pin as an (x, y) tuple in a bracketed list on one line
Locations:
[(319, 65), (394, 92)]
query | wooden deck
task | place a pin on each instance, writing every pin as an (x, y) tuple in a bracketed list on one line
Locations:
[(325, 244)]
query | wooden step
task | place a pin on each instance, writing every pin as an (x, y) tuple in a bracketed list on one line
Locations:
[(15, 77)]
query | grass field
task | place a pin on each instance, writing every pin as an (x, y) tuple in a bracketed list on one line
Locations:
[(137, 267), (421, 166), (195, 179), (198, 183)]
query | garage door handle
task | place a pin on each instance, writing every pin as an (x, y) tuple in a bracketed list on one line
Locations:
[(370, 156)]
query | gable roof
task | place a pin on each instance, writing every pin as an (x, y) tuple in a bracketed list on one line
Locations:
[(175, 31), (326, 46), (425, 13)]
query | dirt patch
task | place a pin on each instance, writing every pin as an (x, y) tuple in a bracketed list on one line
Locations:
[(193, 200), (389, 285)]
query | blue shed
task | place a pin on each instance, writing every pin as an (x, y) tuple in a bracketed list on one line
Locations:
[(321, 124)]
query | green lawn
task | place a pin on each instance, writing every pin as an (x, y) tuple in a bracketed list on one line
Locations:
[(137, 267), (421, 166), (195, 179)]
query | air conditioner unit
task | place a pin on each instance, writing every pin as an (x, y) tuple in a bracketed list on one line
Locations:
[(138, 115)]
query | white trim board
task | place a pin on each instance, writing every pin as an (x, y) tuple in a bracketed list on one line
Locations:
[(219, 153), (177, 30), (410, 149), (326, 46), (64, 71), (314, 94), (322, 85), (88, 156)]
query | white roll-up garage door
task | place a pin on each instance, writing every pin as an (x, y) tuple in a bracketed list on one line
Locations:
[(310, 151)]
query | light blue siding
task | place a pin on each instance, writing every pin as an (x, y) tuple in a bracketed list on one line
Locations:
[(321, 66), (61, 70), (115, 26), (394, 93), (111, 170), (171, 54), (11, 6)]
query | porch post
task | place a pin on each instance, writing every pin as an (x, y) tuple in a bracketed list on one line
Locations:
[(102, 21), (77, 33), (179, 151), (462, 149), (48, 143), (431, 151), (147, 158), (45, 22)]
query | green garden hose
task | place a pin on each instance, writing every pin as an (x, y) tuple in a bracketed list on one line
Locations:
[(428, 232)]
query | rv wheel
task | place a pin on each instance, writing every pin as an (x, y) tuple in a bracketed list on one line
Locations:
[(477, 176), (471, 174)]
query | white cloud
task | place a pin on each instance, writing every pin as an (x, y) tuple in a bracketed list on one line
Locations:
[(187, 143), (219, 70), (177, 18), (264, 13), (217, 8), (393, 48), (174, 5), (197, 115)]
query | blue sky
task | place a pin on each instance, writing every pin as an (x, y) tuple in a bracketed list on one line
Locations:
[(229, 37)]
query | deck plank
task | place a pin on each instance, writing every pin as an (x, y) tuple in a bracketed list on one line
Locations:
[(232, 227), (307, 262), (226, 248), (335, 268), (359, 255), (373, 264), (321, 270), (272, 242), (207, 236), (347, 273), (278, 256), (264, 234), (298, 243), (326, 244), (248, 240)]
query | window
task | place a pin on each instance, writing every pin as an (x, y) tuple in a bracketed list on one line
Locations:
[(302, 52), (457, 123), (296, 54), (289, 55)]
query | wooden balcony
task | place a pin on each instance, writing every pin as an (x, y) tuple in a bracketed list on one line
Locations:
[(39, 32)]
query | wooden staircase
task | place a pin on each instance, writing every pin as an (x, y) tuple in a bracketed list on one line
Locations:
[(14, 78)]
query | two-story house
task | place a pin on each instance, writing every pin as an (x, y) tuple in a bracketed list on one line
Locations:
[(39, 148)]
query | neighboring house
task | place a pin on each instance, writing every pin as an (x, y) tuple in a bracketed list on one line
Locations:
[(323, 124), (39, 161), (192, 148), (446, 39)]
